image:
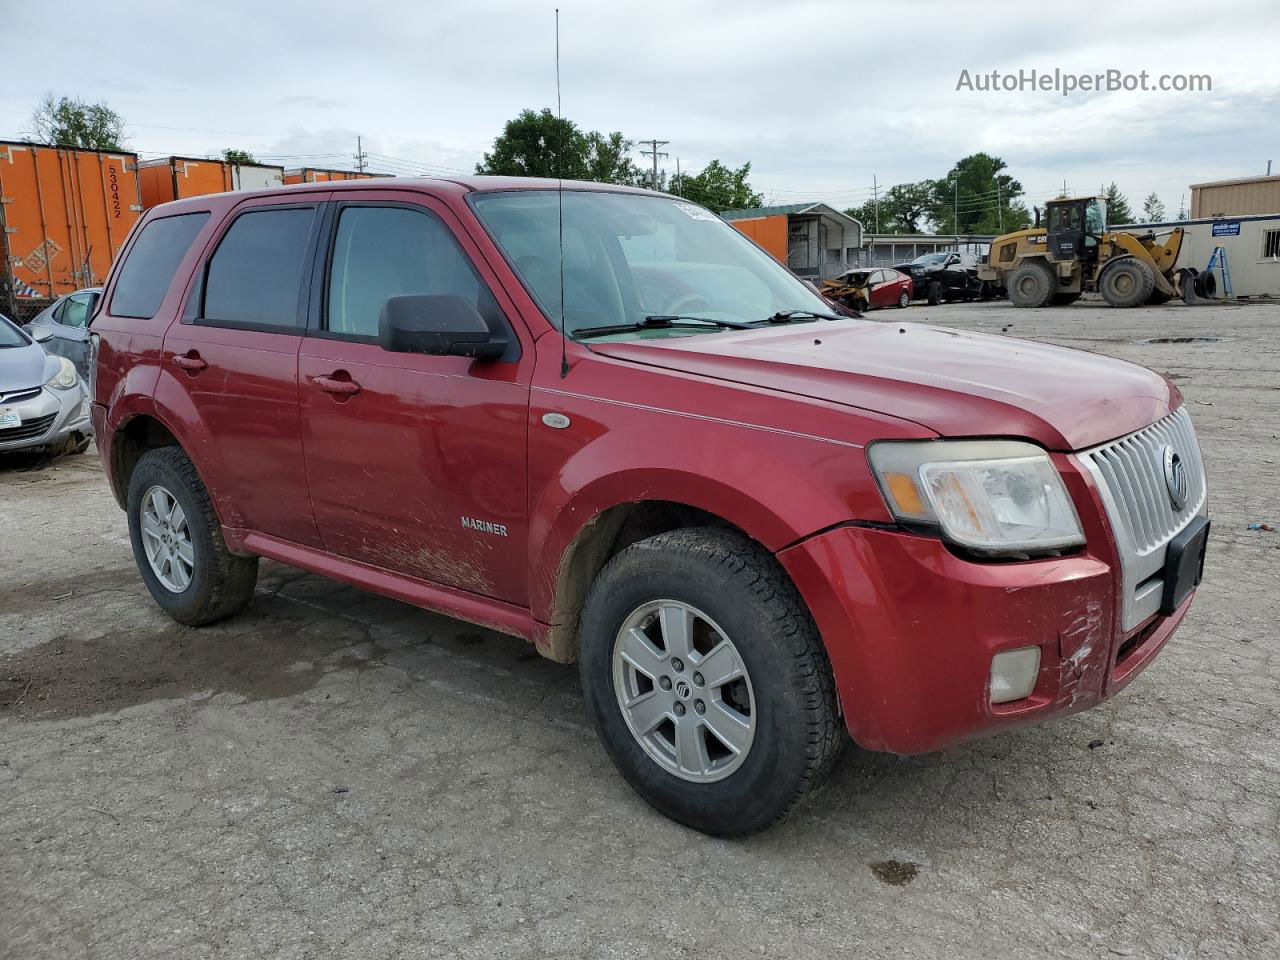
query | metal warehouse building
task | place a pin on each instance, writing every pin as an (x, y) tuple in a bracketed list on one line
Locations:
[(1235, 198)]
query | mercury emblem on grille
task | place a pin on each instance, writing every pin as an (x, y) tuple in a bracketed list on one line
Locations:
[(1175, 478)]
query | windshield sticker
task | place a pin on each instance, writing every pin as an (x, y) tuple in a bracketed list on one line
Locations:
[(696, 213)]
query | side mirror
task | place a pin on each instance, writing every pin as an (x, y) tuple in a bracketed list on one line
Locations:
[(41, 334), (440, 325)]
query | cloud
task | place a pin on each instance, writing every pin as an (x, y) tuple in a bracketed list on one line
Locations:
[(818, 96)]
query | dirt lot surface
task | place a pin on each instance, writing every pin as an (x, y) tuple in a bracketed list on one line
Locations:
[(332, 774)]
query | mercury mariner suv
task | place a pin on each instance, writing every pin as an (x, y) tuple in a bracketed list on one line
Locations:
[(601, 419)]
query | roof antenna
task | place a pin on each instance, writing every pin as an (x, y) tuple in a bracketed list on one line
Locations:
[(564, 333)]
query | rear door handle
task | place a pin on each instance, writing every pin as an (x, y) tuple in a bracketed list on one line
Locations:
[(344, 387), (190, 361)]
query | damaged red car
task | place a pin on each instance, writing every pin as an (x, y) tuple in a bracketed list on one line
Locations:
[(604, 421)]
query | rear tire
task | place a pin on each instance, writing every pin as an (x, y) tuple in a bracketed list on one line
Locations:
[(1127, 282), (904, 298), (205, 581), (741, 602), (1033, 284)]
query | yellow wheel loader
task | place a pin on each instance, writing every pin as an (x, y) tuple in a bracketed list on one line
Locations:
[(1073, 252)]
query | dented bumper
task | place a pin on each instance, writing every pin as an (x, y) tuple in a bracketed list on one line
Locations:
[(911, 629)]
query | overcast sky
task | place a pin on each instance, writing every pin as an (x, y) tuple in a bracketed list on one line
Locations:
[(819, 97)]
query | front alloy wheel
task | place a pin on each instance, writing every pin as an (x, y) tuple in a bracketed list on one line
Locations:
[(683, 690)]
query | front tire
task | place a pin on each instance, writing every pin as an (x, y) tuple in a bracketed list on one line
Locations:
[(1127, 282), (177, 542), (707, 681)]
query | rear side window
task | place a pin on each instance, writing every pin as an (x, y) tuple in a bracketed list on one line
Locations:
[(255, 275), (153, 259), (381, 252)]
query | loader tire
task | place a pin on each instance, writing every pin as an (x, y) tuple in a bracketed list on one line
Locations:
[(1127, 282), (1065, 299), (1033, 285)]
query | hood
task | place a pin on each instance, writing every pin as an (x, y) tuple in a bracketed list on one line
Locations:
[(955, 383), (22, 368)]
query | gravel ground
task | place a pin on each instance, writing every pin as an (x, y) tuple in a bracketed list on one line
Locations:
[(332, 774)]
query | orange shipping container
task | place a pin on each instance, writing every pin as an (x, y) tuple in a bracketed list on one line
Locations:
[(769, 232), (64, 214), (315, 175), (174, 178)]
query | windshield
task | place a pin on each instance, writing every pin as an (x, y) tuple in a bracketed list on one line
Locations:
[(931, 258), (10, 335), (630, 256)]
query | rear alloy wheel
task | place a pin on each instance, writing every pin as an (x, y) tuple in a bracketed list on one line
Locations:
[(1127, 282), (1033, 284), (904, 298), (707, 681), (177, 542)]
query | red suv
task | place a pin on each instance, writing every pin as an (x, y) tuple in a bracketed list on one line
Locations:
[(603, 420)]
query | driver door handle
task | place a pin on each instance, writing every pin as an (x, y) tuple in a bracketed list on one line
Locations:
[(190, 361), (333, 385)]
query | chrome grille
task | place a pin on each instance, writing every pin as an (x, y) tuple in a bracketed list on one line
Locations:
[(1130, 475)]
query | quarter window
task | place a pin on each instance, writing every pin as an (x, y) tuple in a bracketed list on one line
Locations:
[(74, 311), (255, 276), (153, 259), (382, 252)]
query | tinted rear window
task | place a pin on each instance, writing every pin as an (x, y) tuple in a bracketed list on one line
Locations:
[(255, 276), (147, 272)]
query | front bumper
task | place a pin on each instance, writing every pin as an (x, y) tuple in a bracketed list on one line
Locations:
[(50, 416), (911, 629)]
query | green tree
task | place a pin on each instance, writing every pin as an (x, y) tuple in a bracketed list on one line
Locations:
[(977, 197), (1118, 210), (543, 145), (904, 208), (232, 155), (1152, 209), (717, 187), (67, 122)]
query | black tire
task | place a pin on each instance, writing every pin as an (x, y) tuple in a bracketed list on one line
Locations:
[(861, 306), (1127, 282), (1065, 299), (904, 298), (740, 586), (935, 293), (221, 583), (1033, 284)]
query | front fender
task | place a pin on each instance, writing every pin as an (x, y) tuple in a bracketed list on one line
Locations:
[(775, 487)]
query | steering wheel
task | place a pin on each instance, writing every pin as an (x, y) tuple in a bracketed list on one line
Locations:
[(689, 304)]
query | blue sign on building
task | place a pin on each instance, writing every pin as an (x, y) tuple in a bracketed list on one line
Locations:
[(1227, 228)]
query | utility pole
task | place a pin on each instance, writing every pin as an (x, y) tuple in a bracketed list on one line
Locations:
[(999, 207), (679, 182), (1268, 168), (875, 200), (360, 156), (955, 211), (653, 152)]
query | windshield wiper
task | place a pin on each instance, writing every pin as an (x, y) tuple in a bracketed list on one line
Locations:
[(659, 321), (786, 316)]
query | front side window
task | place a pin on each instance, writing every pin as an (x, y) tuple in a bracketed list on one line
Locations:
[(383, 252), (153, 259), (255, 275), (632, 256)]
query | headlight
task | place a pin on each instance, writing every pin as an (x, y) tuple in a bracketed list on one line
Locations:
[(66, 376), (997, 497)]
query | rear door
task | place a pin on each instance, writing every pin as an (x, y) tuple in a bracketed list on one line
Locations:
[(231, 365), (417, 464)]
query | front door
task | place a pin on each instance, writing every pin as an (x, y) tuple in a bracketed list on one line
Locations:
[(235, 357), (416, 463)]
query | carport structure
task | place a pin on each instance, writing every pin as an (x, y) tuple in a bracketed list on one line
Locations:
[(814, 240)]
